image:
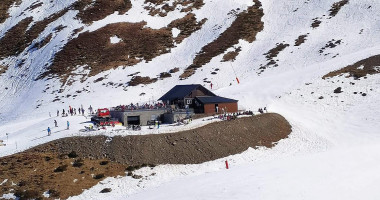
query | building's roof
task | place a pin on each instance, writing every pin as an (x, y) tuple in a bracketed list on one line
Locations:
[(216, 99), (180, 91)]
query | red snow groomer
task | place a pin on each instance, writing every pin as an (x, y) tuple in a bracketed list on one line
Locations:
[(103, 118)]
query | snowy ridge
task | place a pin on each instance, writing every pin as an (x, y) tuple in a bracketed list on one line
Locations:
[(332, 153)]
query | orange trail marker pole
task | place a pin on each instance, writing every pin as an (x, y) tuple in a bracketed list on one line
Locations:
[(235, 73), (226, 164)]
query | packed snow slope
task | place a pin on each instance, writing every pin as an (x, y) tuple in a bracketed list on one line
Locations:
[(333, 151)]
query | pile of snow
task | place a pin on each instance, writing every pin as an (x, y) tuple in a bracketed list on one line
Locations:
[(114, 39)]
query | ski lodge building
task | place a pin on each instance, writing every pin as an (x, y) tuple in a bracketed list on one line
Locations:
[(181, 101), (199, 99)]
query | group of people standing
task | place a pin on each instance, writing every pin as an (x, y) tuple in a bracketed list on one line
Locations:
[(262, 110), (73, 111)]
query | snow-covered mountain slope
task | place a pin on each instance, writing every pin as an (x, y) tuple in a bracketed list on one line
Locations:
[(282, 69)]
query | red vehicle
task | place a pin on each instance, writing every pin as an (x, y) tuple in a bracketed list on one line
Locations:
[(103, 118), (104, 113)]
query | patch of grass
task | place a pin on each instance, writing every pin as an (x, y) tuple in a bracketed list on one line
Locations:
[(95, 51), (162, 8), (316, 23), (20, 36), (165, 75), (174, 70), (358, 69), (335, 8), (4, 6), (246, 26), (187, 25), (3, 69), (231, 55), (300, 40), (90, 11), (275, 51), (137, 80)]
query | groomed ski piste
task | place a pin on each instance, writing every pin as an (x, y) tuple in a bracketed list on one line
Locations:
[(333, 151)]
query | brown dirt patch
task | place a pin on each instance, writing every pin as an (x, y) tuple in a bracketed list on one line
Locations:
[(271, 54), (174, 70), (316, 23), (12, 41), (54, 166), (36, 173), (18, 37), (137, 80), (369, 67), (275, 51), (335, 8), (94, 49), (231, 55), (187, 25), (4, 7), (3, 69), (164, 75), (90, 11), (162, 8), (246, 26), (34, 6), (330, 45), (300, 40)]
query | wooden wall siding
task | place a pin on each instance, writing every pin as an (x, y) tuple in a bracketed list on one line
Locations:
[(229, 107)]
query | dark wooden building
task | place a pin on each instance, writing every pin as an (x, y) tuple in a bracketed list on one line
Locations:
[(198, 98)]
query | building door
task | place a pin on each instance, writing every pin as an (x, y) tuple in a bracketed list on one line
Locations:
[(133, 120), (216, 108)]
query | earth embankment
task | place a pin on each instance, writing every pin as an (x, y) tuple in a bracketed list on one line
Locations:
[(199, 145)]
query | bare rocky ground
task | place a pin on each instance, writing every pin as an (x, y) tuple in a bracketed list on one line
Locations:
[(68, 165)]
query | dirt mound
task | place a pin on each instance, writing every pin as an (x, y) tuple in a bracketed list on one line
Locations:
[(210, 142), (67, 166)]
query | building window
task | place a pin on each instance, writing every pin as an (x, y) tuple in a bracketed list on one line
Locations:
[(189, 101)]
